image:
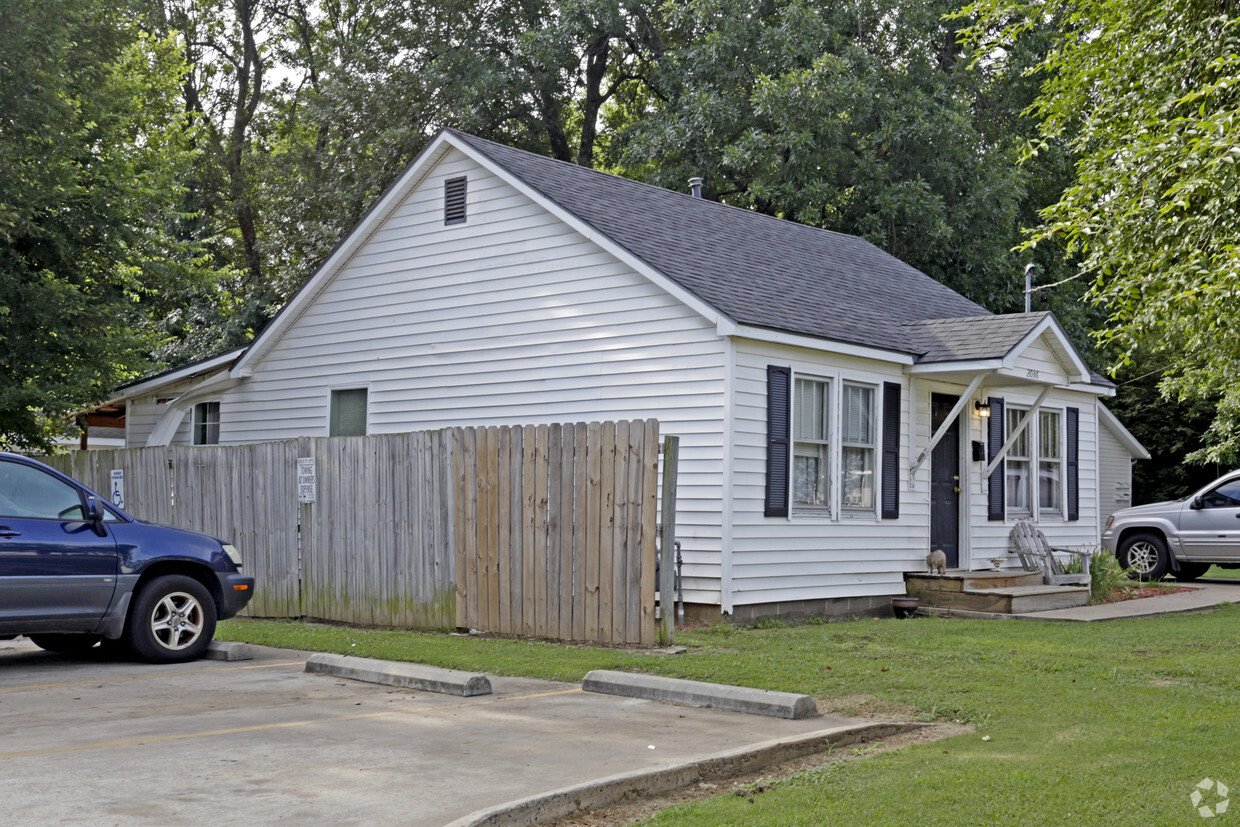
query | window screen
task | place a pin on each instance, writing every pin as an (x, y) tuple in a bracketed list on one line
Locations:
[(348, 413)]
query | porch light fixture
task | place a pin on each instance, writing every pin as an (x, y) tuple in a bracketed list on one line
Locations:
[(982, 406)]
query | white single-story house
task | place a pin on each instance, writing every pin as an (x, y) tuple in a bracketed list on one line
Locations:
[(840, 413)]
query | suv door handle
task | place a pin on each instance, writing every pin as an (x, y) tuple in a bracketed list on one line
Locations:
[(5, 531)]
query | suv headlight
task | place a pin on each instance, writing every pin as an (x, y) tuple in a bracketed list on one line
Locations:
[(1110, 522), (233, 554)]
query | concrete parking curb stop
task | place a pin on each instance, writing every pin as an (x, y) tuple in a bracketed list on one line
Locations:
[(698, 693), (406, 675), (228, 650), (627, 787)]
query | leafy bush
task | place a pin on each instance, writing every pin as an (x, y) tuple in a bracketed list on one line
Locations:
[(1105, 575)]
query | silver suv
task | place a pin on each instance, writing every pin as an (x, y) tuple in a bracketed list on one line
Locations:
[(1183, 537)]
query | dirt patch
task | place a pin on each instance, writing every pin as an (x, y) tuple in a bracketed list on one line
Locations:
[(1138, 592), (746, 785)]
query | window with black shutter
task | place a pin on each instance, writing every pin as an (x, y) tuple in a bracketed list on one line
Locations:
[(891, 451), (454, 201), (778, 414), (995, 438)]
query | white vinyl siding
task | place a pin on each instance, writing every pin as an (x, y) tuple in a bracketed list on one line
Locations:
[(508, 318), (776, 559)]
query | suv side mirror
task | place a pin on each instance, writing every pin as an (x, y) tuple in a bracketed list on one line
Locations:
[(1197, 503), (94, 513)]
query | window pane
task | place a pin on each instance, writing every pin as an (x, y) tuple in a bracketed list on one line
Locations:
[(858, 482), (1017, 484), (1048, 486), (34, 494), (207, 423), (811, 409), (858, 414), (1020, 448), (1048, 439), (348, 413), (809, 476)]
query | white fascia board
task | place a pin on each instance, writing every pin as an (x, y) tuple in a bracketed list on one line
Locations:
[(778, 337), (972, 366), (358, 236), (723, 323), (1065, 347), (1086, 387), (1111, 422), (203, 368)]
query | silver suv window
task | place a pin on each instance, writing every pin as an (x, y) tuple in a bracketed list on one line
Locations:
[(29, 493), (1226, 495)]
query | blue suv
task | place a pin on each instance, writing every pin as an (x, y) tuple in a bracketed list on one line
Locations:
[(76, 570)]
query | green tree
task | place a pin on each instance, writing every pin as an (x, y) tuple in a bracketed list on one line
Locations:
[(861, 118), (1147, 94), (92, 144)]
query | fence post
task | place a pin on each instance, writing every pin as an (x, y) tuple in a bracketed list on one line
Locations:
[(667, 541)]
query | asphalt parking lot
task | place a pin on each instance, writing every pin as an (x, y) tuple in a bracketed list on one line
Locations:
[(89, 739)]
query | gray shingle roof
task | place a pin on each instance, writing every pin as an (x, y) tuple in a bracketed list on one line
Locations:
[(989, 337), (756, 269)]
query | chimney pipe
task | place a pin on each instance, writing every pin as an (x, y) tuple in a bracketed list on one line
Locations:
[(695, 187)]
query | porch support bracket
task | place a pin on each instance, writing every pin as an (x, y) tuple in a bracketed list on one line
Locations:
[(1016, 432), (946, 424)]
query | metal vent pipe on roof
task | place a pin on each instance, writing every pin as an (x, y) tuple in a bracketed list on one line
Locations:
[(695, 187)]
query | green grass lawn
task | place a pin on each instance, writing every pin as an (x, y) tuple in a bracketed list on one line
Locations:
[(1088, 723)]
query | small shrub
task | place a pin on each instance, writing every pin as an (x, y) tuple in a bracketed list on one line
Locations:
[(1105, 575)]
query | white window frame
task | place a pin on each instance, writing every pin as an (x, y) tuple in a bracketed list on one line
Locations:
[(1059, 509), (871, 446), (200, 419), (1012, 415), (825, 451)]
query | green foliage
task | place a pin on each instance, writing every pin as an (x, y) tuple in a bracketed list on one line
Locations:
[(1148, 96), (861, 119), (1106, 575), (94, 148)]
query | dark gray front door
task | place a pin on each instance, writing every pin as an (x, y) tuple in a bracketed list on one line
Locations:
[(945, 482)]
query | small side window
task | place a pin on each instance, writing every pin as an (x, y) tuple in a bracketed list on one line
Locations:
[(207, 423), (348, 413)]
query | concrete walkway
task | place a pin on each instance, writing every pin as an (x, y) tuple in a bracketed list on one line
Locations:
[(1203, 595)]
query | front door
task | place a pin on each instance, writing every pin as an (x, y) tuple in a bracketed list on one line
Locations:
[(945, 482)]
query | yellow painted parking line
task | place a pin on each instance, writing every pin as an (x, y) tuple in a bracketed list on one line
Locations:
[(153, 675)]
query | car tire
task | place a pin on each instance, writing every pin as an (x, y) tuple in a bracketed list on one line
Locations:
[(1144, 556), (67, 643), (1191, 571), (171, 621)]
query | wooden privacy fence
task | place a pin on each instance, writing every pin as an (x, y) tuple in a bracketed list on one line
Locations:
[(555, 530), (551, 527)]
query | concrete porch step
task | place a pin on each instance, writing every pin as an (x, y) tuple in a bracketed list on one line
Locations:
[(958, 581), (993, 592)]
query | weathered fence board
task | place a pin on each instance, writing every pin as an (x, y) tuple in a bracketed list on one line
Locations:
[(544, 531), (577, 562)]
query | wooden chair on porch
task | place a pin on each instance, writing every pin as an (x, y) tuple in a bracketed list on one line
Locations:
[(1037, 554)]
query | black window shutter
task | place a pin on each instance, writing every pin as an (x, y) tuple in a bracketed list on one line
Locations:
[(891, 450), (778, 416), (454, 200), (994, 496), (1073, 487)]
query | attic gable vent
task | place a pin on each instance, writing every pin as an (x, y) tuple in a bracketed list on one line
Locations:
[(454, 201)]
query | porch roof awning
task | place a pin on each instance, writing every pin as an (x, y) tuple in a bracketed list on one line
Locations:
[(1017, 348)]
